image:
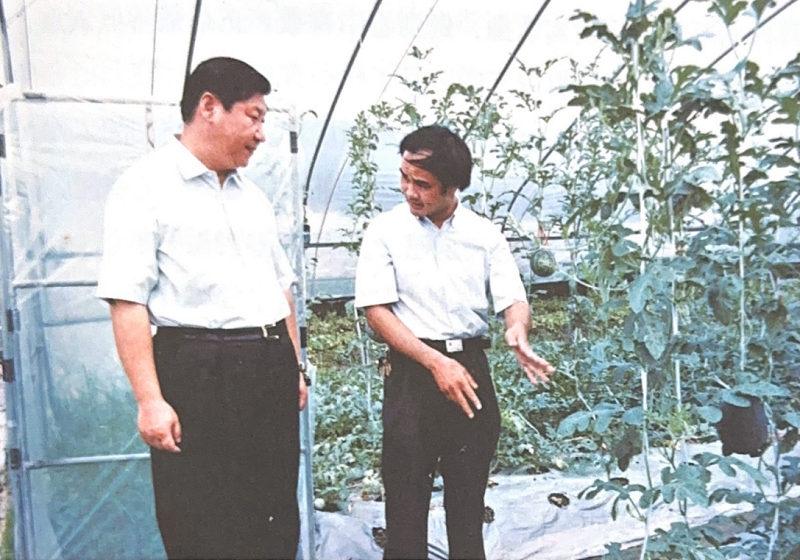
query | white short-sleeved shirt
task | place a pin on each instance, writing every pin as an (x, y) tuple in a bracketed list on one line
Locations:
[(437, 280), (196, 254)]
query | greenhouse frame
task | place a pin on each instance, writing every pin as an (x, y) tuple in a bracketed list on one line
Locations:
[(651, 148)]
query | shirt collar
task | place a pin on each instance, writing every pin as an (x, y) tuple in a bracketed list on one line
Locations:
[(449, 222), (459, 211), (190, 167)]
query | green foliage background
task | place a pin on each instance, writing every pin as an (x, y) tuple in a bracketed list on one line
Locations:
[(680, 216)]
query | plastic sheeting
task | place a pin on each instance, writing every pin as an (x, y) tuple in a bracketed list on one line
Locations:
[(139, 48), (82, 483), (527, 525)]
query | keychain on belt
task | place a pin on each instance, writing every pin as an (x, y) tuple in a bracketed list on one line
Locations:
[(384, 365)]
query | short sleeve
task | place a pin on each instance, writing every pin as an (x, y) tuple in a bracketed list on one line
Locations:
[(284, 272), (505, 283), (129, 268), (283, 269), (375, 276)]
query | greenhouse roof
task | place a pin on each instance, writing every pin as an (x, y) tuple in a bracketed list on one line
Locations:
[(331, 60)]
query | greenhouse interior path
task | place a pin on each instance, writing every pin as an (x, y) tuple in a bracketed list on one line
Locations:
[(527, 524)]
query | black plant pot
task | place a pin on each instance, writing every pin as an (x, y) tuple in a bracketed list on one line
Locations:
[(743, 430)]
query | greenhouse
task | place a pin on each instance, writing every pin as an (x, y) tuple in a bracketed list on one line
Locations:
[(641, 158)]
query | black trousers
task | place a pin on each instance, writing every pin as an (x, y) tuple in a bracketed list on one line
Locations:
[(422, 428), (232, 490)]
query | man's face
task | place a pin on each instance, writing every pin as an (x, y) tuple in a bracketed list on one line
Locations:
[(240, 131), (423, 191)]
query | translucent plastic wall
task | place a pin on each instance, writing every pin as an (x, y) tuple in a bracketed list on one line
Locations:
[(80, 473)]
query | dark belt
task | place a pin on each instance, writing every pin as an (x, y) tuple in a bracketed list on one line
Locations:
[(270, 332), (455, 345)]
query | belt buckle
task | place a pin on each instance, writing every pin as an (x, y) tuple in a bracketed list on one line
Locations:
[(265, 332), (454, 345)]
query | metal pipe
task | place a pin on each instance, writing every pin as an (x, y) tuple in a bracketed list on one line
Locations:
[(193, 39), (751, 32), (90, 460), (516, 51), (9, 71), (62, 98), (336, 98), (53, 284)]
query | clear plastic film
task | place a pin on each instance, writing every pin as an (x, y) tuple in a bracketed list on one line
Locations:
[(82, 487)]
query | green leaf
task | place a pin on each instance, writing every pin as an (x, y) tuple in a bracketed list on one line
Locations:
[(602, 422), (639, 293), (634, 416), (762, 389), (669, 493), (754, 473), (704, 174), (758, 6), (728, 10), (723, 298), (577, 421), (775, 319), (656, 343), (649, 497), (710, 414), (793, 418), (727, 469), (731, 397), (624, 247)]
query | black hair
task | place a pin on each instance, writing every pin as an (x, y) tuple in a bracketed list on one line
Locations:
[(449, 161), (228, 79)]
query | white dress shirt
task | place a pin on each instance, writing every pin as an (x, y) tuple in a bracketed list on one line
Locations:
[(196, 254), (437, 280)]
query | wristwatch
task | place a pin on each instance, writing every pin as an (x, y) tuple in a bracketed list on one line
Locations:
[(301, 367)]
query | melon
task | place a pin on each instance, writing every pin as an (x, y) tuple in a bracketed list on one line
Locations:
[(543, 262)]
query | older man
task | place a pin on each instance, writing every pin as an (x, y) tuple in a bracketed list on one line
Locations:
[(191, 248)]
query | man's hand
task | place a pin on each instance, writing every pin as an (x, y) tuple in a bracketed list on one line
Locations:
[(159, 426), (457, 384), (535, 367), (303, 392)]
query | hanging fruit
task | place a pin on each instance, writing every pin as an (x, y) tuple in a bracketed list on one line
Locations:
[(543, 262)]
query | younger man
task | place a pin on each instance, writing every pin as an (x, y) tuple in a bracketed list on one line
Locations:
[(422, 276)]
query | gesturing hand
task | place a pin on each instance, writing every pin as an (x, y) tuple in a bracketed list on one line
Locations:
[(159, 425), (457, 384), (536, 368)]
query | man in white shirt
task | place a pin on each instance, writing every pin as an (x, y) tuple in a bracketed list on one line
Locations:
[(191, 248), (423, 275)]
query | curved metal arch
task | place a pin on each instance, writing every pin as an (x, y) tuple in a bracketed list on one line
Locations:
[(342, 83), (752, 31), (346, 159), (514, 54), (497, 81), (9, 71), (511, 58), (762, 23), (193, 39)]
